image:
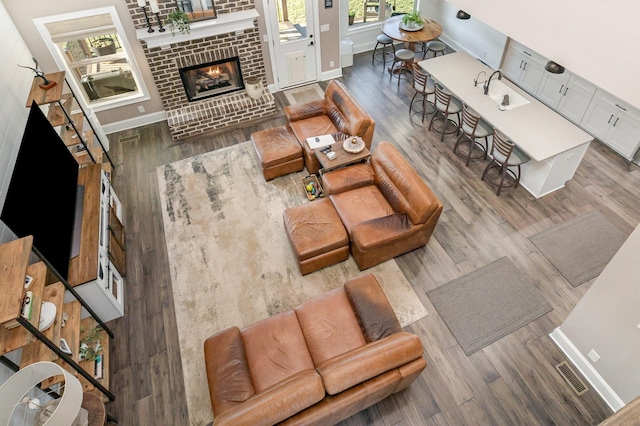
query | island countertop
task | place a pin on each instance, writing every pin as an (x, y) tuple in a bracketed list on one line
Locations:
[(535, 128)]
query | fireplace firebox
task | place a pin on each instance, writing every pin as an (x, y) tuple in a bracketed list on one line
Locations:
[(212, 79)]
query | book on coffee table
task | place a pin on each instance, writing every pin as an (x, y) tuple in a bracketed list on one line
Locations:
[(320, 141)]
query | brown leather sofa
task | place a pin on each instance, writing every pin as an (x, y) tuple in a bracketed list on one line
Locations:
[(318, 364), (338, 112), (384, 205)]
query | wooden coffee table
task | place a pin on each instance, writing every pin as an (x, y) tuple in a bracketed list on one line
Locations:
[(343, 158)]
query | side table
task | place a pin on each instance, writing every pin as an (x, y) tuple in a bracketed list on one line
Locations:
[(343, 158)]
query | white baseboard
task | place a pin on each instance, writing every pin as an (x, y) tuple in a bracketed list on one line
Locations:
[(131, 123), (586, 369), (329, 75)]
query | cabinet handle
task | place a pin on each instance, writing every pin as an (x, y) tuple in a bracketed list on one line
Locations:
[(616, 122), (624, 109), (561, 87), (526, 53), (610, 119), (521, 64), (525, 67), (565, 91)]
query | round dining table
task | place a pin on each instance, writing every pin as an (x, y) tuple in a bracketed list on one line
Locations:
[(430, 30)]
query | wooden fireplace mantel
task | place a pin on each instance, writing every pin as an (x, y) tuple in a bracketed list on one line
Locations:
[(223, 24)]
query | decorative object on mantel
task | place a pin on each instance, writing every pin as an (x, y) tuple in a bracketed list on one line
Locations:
[(46, 84), (353, 145), (155, 9), (554, 68), (143, 5), (254, 87), (178, 21)]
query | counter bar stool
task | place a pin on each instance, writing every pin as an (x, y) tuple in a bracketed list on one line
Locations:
[(435, 46), (446, 105), (473, 128), (383, 55), (424, 87), (505, 154), (402, 60)]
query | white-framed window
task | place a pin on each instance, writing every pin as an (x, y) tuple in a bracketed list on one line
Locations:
[(91, 47), (363, 12)]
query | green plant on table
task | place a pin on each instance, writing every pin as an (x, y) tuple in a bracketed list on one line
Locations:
[(90, 346), (412, 18), (178, 21)]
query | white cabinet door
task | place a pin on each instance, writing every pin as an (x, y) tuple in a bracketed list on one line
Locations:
[(531, 75), (551, 88), (599, 116), (624, 134), (512, 65), (575, 98)]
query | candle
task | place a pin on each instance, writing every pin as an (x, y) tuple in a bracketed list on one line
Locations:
[(154, 6), (142, 3)]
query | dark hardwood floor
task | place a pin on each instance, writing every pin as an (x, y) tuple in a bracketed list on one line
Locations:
[(510, 382)]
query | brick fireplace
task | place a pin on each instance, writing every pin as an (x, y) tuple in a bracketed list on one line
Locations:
[(234, 34)]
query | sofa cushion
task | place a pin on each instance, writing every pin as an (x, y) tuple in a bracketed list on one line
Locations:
[(330, 327), (360, 205), (371, 360), (275, 349), (402, 187), (345, 112), (276, 403), (227, 370), (311, 127), (373, 310)]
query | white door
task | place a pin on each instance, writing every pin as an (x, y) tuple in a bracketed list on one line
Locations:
[(293, 42), (551, 88), (624, 134), (575, 98)]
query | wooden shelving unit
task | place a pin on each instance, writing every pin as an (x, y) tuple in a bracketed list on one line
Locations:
[(82, 142), (36, 345)]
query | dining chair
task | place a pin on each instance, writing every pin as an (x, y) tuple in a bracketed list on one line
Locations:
[(423, 87), (446, 105), (473, 130), (505, 154), (383, 55), (402, 60)]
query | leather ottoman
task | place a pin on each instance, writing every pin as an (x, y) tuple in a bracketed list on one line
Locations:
[(279, 152), (317, 236)]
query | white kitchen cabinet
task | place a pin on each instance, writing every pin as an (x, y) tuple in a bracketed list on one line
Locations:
[(551, 88), (524, 67), (614, 123), (576, 96)]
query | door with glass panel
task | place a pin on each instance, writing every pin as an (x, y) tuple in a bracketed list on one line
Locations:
[(293, 42)]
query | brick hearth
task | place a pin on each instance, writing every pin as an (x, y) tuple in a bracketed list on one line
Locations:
[(190, 118)]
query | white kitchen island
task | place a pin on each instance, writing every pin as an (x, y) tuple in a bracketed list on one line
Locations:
[(556, 146)]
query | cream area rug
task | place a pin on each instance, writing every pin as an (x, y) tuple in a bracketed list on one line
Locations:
[(302, 94), (230, 259)]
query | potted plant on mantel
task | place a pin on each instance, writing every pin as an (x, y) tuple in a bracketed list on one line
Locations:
[(352, 16), (178, 21)]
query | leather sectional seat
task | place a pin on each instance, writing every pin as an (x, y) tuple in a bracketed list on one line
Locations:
[(337, 112), (318, 364)]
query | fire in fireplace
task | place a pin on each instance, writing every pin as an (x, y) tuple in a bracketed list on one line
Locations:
[(212, 79)]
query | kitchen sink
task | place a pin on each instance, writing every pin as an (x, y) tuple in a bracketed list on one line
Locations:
[(498, 89)]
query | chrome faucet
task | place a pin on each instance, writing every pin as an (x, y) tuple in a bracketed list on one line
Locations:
[(475, 82), (488, 82)]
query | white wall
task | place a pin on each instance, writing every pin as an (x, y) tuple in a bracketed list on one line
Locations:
[(15, 83), (594, 39)]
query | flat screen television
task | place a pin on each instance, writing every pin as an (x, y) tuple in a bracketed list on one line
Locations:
[(41, 198)]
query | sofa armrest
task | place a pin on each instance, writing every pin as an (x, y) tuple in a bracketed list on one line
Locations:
[(306, 110), (227, 370), (368, 361), (276, 403), (347, 178)]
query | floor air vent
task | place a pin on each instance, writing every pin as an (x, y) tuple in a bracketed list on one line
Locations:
[(130, 138), (571, 377)]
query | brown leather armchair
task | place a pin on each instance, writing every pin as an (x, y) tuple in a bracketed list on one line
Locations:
[(385, 206), (329, 358), (337, 112)]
